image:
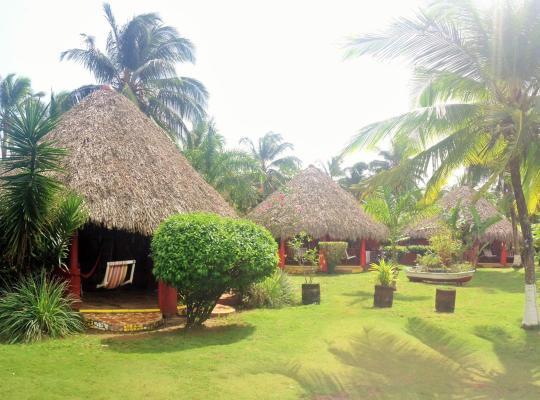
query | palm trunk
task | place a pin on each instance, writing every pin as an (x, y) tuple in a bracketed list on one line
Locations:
[(515, 233), (530, 316)]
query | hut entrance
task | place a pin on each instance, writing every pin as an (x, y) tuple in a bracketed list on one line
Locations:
[(97, 247)]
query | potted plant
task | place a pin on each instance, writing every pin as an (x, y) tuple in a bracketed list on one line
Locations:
[(442, 264), (308, 259), (333, 253), (385, 275)]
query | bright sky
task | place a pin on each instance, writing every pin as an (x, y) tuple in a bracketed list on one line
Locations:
[(268, 65)]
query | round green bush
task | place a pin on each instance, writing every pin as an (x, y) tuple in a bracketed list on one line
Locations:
[(205, 255)]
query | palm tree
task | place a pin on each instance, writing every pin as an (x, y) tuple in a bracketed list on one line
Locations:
[(13, 90), (139, 62), (37, 216), (333, 167), (396, 211), (477, 78), (233, 173), (275, 167)]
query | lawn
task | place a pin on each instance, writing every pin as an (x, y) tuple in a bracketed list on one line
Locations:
[(342, 349)]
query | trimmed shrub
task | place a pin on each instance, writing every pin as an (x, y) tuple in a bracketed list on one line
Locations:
[(276, 291), (205, 255), (333, 253), (35, 308)]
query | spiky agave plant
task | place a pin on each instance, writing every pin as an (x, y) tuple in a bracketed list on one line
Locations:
[(36, 307)]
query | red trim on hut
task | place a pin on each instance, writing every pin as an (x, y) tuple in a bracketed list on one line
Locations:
[(282, 253), (167, 299), (363, 253), (504, 254), (74, 270)]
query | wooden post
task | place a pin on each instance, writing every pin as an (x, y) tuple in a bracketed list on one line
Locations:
[(282, 253), (74, 270), (503, 254), (363, 253), (323, 266), (167, 299)]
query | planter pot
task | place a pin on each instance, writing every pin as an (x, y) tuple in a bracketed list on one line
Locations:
[(445, 300), (383, 297), (331, 269), (311, 293), (458, 278)]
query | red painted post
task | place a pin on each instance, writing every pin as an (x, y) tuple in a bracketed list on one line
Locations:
[(323, 266), (167, 299), (363, 253), (503, 254), (282, 253), (74, 270)]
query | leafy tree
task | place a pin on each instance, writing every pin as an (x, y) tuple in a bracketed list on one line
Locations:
[(477, 83), (204, 256), (13, 90), (333, 167), (37, 216), (234, 173), (276, 168), (395, 210), (139, 62)]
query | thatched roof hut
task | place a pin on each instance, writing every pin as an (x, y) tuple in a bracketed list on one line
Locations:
[(130, 173), (464, 197), (313, 203)]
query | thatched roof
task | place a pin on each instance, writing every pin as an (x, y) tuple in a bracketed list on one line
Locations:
[(464, 197), (130, 173), (313, 203)]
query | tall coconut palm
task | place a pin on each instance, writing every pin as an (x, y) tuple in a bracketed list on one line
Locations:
[(477, 75), (333, 167), (233, 173), (139, 61), (13, 90), (276, 168)]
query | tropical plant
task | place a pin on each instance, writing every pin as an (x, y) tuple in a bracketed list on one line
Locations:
[(139, 62), (234, 173), (37, 216), (276, 168), (275, 291), (333, 253), (477, 80), (204, 256), (430, 261), (396, 210), (37, 307), (386, 273), (307, 258), (446, 246), (333, 168), (13, 90)]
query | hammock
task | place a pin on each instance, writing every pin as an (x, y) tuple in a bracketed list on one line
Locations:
[(115, 274)]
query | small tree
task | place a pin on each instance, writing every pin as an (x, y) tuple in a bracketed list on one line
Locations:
[(304, 256), (204, 256), (333, 253)]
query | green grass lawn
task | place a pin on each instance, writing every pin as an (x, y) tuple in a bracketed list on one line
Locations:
[(342, 349)]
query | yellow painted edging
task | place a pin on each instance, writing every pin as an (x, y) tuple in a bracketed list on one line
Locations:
[(122, 311)]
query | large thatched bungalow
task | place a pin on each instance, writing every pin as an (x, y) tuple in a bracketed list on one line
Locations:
[(313, 203), (132, 176), (496, 236)]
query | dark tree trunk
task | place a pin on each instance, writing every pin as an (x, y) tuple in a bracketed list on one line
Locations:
[(527, 252)]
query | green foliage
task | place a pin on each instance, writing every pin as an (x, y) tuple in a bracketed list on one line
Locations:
[(205, 255), (275, 167), (430, 261), (140, 61), (461, 267), (386, 273), (333, 253), (304, 256), (413, 248), (37, 217), (275, 291), (446, 246), (36, 307)]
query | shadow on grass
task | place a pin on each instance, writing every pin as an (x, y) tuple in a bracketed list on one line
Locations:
[(362, 295), (429, 363), (491, 282), (179, 340)]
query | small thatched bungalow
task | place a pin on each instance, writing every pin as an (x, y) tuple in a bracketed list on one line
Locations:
[(496, 236), (132, 176), (313, 203)]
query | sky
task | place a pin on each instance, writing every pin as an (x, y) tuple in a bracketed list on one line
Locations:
[(268, 65)]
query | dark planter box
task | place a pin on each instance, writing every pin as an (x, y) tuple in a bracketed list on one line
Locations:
[(445, 300), (384, 296), (311, 293)]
